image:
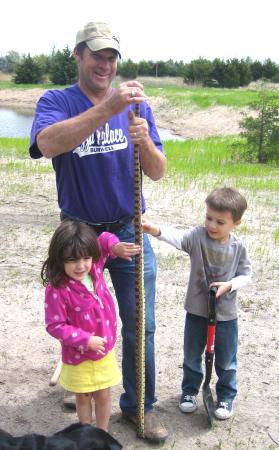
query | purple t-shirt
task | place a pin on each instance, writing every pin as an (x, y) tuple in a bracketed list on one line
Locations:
[(95, 181)]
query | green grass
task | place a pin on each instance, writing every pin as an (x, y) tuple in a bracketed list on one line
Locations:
[(14, 147), (25, 167), (203, 160), (14, 156), (17, 188), (203, 97), (276, 235), (5, 84), (180, 96)]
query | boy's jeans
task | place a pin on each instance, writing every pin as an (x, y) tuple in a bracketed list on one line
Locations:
[(122, 274), (226, 339)]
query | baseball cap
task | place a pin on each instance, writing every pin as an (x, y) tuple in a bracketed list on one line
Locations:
[(98, 35)]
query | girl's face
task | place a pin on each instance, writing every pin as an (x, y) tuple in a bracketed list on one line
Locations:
[(77, 269)]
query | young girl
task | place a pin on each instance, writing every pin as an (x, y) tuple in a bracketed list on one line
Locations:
[(80, 312)]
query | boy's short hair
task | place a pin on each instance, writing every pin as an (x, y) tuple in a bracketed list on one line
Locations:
[(227, 199)]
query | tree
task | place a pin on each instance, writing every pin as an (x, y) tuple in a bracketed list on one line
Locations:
[(28, 71), (43, 61), (9, 62), (218, 71), (256, 70), (269, 69), (162, 69), (171, 68), (128, 69), (232, 75), (145, 68), (262, 132), (180, 66), (63, 68), (199, 71), (245, 75)]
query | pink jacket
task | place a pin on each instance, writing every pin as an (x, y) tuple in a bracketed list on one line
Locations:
[(73, 314)]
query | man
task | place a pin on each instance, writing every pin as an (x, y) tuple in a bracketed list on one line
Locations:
[(89, 130)]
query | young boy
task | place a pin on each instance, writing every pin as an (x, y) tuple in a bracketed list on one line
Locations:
[(218, 258)]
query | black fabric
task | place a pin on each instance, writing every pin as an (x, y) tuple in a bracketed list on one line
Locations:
[(101, 227), (74, 437)]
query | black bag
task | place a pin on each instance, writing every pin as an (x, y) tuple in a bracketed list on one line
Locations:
[(74, 437)]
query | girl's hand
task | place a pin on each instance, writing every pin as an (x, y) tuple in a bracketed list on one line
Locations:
[(126, 250), (150, 228), (97, 344), (223, 287)]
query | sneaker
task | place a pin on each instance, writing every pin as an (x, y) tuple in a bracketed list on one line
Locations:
[(154, 430), (188, 403), (224, 410)]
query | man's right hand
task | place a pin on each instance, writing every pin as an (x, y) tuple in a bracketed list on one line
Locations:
[(127, 93)]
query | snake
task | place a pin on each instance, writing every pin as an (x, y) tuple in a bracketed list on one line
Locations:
[(139, 293)]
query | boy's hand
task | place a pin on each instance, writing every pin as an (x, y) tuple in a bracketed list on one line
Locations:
[(97, 344), (150, 228), (223, 287), (126, 250)]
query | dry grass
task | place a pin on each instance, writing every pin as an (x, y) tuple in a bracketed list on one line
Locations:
[(5, 76)]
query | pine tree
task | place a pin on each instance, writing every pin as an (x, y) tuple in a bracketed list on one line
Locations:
[(28, 71), (63, 68)]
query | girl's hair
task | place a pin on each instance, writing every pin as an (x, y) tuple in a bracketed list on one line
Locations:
[(70, 240), (227, 199)]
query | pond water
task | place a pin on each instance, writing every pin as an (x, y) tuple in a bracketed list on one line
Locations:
[(15, 123)]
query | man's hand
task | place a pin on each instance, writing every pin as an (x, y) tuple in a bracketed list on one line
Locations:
[(127, 93), (138, 129)]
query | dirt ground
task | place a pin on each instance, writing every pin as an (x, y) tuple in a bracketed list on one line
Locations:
[(216, 121), (28, 356)]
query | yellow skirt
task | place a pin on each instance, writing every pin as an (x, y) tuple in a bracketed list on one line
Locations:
[(90, 376)]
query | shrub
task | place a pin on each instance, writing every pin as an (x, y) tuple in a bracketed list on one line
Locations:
[(261, 133), (63, 68), (28, 71)]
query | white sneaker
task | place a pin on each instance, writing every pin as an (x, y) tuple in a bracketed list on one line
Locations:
[(188, 403), (224, 410)]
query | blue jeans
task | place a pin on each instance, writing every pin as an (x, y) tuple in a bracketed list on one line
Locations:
[(122, 274), (226, 339)]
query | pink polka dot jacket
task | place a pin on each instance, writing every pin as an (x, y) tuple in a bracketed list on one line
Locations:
[(73, 314)]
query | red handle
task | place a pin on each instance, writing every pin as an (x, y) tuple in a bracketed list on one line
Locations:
[(210, 338)]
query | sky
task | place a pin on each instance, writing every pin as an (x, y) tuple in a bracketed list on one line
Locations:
[(181, 30)]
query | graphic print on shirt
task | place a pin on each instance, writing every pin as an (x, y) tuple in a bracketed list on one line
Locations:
[(104, 140), (216, 264)]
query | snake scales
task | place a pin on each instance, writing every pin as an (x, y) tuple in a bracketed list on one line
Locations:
[(139, 294)]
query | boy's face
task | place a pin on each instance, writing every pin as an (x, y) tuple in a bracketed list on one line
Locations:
[(219, 224)]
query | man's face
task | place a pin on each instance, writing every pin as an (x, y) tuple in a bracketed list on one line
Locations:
[(96, 69)]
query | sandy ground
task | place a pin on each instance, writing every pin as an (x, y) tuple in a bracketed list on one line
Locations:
[(28, 356), (216, 121)]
